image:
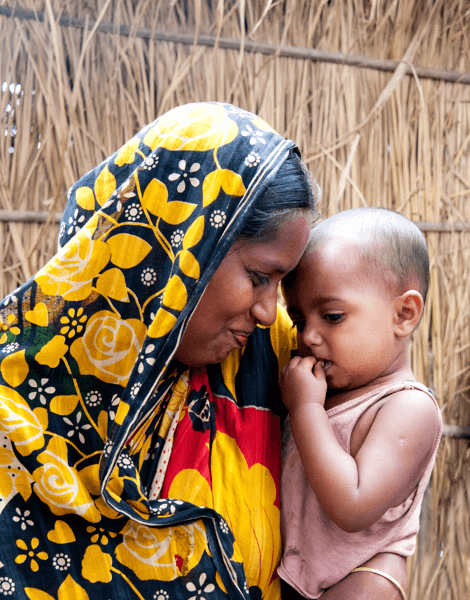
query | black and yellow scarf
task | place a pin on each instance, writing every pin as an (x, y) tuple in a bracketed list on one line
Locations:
[(121, 475)]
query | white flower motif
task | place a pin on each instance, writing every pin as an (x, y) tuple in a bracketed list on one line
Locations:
[(93, 398), (210, 587), (194, 181), (23, 518), (161, 595), (150, 163), (223, 525), (10, 298), (125, 462), (135, 389), (217, 218), (61, 561), (62, 229), (7, 586), (40, 390), (252, 160), (166, 506), (114, 402), (10, 348), (255, 136), (107, 448), (146, 359), (176, 238), (76, 427), (148, 276), (133, 211), (75, 222)]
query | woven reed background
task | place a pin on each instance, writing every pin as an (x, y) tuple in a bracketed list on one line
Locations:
[(71, 96)]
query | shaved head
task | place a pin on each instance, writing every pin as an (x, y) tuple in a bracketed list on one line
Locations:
[(394, 250)]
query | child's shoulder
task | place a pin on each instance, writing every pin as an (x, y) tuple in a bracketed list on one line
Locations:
[(413, 408)]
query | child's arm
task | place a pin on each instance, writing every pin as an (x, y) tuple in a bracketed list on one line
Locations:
[(356, 491)]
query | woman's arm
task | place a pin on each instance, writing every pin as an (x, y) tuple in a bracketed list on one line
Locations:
[(365, 585)]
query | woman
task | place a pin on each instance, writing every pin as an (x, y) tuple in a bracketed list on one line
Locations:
[(140, 417)]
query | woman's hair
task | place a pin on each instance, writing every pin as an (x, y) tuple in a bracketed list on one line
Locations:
[(293, 193)]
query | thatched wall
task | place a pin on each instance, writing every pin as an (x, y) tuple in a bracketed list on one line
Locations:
[(397, 139)]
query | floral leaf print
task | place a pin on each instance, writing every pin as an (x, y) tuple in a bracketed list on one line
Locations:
[(194, 234), (63, 405), (189, 265), (155, 200), (96, 565), (14, 368), (85, 198), (175, 295), (22, 425), (68, 589), (112, 284), (51, 354), (126, 154), (193, 127), (38, 316), (230, 182), (105, 185), (194, 181), (128, 250), (162, 324)]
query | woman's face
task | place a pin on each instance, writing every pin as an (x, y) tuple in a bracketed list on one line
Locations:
[(241, 294)]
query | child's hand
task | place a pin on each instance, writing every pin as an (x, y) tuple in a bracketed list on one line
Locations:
[(303, 381)]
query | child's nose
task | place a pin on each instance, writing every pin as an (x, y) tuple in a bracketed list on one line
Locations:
[(311, 336)]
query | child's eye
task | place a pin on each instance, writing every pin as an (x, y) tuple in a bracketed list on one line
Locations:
[(333, 317)]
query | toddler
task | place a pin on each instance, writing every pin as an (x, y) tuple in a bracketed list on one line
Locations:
[(363, 432)]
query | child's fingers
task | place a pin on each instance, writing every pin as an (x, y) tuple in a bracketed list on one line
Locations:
[(318, 370)]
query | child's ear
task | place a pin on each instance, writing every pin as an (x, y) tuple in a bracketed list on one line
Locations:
[(408, 309)]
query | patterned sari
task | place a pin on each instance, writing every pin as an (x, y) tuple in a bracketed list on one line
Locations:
[(122, 473)]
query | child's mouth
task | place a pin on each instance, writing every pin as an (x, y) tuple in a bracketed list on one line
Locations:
[(326, 365)]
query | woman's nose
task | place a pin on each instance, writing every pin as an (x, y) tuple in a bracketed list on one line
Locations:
[(265, 308)]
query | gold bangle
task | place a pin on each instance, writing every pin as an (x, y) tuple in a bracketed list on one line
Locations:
[(386, 575)]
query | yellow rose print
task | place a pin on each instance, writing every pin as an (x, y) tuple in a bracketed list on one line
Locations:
[(109, 347)]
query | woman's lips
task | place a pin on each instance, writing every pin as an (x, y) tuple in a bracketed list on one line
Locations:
[(241, 337)]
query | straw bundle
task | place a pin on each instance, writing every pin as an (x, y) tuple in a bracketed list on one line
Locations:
[(70, 95)]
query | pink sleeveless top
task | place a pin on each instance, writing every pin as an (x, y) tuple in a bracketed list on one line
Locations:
[(317, 553)]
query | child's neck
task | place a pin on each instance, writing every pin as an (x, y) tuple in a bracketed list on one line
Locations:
[(337, 397)]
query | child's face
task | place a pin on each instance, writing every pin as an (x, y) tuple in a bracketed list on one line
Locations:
[(344, 318)]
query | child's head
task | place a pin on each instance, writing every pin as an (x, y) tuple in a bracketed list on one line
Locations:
[(358, 293)]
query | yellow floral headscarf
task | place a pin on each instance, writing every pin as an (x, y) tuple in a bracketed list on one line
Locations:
[(89, 397)]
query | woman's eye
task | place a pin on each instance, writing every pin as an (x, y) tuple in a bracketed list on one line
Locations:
[(333, 317), (258, 279)]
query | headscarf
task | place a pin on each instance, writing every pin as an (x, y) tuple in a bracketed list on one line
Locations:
[(90, 397)]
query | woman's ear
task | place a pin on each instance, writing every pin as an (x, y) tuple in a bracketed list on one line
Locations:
[(408, 309)]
